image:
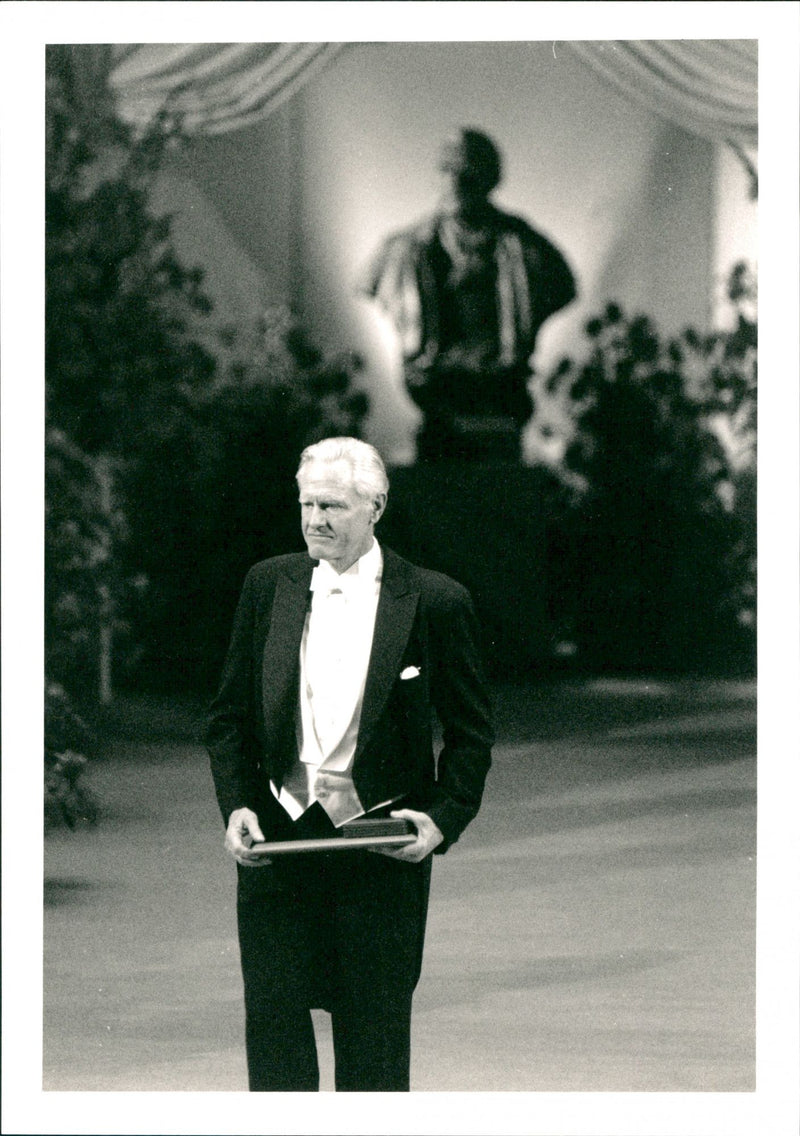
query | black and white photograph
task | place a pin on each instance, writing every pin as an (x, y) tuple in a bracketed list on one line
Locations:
[(400, 568)]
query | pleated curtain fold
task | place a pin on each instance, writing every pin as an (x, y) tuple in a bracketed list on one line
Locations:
[(212, 87), (707, 87)]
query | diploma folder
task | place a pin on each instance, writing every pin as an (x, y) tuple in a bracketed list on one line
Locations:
[(380, 832)]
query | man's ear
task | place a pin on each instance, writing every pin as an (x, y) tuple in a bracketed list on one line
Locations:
[(378, 506)]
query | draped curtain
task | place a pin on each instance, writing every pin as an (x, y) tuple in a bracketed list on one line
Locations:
[(213, 87), (708, 87)]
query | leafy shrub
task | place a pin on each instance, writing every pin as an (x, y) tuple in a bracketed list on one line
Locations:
[(655, 566), (119, 355), (67, 740), (224, 495), (170, 467)]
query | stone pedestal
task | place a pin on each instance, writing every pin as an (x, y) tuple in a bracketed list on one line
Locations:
[(473, 438), (484, 524)]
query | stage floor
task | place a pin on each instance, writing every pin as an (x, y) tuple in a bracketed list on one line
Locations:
[(593, 931)]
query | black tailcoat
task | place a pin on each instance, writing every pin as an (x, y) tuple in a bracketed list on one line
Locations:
[(345, 930), (424, 621)]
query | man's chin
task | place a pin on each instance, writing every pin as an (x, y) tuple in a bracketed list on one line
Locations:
[(320, 549)]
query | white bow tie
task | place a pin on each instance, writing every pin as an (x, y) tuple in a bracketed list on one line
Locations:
[(345, 585)]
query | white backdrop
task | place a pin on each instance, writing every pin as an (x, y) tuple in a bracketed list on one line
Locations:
[(289, 207)]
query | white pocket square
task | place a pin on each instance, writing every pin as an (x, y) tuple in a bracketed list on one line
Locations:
[(410, 672)]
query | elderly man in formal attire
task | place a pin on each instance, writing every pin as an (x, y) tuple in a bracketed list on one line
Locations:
[(339, 664)]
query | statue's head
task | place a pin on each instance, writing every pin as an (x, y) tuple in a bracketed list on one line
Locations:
[(472, 165)]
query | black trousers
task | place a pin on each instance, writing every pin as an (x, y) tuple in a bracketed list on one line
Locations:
[(344, 932)]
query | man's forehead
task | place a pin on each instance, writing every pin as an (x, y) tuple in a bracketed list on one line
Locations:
[(333, 475), (455, 156)]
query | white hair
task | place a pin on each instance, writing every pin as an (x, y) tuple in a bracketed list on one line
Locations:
[(369, 472)]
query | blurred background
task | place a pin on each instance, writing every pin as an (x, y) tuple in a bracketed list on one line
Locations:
[(210, 209)]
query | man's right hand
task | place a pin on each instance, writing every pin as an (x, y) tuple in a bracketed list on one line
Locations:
[(243, 831)]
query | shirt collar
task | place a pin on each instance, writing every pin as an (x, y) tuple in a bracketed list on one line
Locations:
[(359, 577)]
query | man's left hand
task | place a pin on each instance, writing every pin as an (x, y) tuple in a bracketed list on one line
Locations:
[(428, 837)]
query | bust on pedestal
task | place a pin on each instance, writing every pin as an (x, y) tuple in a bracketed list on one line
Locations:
[(467, 290)]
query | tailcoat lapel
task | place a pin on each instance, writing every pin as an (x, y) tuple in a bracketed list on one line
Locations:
[(394, 619), (282, 646)]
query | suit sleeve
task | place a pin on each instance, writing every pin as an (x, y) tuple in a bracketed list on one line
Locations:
[(552, 283), (229, 739), (462, 704)]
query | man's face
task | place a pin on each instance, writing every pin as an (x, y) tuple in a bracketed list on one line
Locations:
[(337, 522), (467, 181), (465, 186)]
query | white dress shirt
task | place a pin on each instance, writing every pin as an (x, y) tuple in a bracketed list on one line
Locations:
[(334, 657)]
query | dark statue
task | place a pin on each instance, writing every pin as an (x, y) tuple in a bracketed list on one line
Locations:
[(467, 290)]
